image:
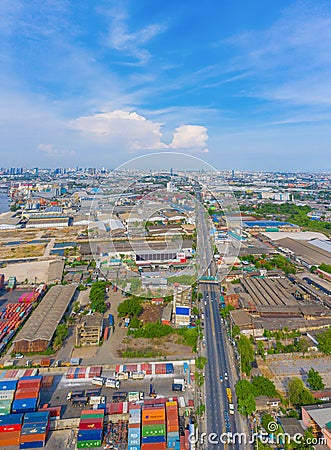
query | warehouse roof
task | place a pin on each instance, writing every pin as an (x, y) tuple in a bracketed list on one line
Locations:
[(307, 251), (44, 320)]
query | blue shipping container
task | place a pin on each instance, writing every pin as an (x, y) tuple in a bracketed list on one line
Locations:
[(35, 444), (89, 435), (153, 439), (38, 416), (134, 447), (11, 419), (24, 405), (33, 429), (33, 377), (8, 385)]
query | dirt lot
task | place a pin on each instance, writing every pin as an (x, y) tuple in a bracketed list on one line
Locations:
[(22, 251), (281, 368), (36, 271)]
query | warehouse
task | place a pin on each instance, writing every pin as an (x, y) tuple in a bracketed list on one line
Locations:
[(307, 253), (48, 221), (37, 333), (89, 330)]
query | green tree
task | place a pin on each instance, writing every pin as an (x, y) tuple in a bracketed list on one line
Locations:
[(247, 405), (135, 322), (130, 307), (315, 380), (98, 296), (324, 341), (265, 420), (246, 352), (263, 386), (243, 388), (235, 331), (298, 394)]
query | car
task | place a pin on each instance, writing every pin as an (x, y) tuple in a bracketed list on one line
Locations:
[(226, 415), (19, 356), (226, 376), (228, 428), (221, 378)]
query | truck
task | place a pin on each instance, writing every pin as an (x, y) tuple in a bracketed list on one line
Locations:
[(98, 381), (122, 376), (75, 394), (152, 392), (137, 375), (98, 400), (177, 387), (112, 383), (230, 400), (135, 396), (79, 401), (119, 397), (179, 382), (111, 320), (92, 392)]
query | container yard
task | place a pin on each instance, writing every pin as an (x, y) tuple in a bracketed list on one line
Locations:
[(15, 310)]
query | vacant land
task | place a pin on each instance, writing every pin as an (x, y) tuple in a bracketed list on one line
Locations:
[(22, 251), (151, 348)]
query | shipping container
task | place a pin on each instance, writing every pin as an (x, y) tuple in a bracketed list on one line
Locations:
[(24, 405), (88, 444)]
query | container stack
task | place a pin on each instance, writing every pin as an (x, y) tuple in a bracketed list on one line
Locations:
[(173, 440), (54, 411), (7, 393), (35, 430), (153, 428), (90, 429), (10, 429), (134, 436), (11, 283), (27, 395)]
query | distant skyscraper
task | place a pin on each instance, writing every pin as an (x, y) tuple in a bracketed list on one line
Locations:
[(232, 173)]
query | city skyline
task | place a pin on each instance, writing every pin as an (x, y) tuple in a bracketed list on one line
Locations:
[(240, 86)]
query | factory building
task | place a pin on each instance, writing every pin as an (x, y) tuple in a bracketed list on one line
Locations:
[(89, 330), (37, 333)]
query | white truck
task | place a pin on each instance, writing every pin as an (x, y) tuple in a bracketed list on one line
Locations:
[(137, 375), (122, 376), (98, 381), (112, 383), (98, 400)]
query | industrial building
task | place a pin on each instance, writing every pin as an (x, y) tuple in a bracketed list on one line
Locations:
[(89, 330), (311, 253), (182, 305), (317, 417), (48, 221), (37, 333)]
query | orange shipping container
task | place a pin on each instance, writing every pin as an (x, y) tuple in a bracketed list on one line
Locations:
[(33, 437), (151, 415), (171, 428), (27, 393), (154, 446), (5, 443)]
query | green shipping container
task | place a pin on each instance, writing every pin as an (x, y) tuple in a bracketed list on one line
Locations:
[(95, 415), (154, 430), (88, 444)]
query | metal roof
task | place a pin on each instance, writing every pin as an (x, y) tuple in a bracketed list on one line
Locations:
[(47, 316)]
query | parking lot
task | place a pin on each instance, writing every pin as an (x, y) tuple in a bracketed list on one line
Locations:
[(57, 394)]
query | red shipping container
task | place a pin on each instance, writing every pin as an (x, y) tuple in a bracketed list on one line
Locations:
[(91, 424), (182, 443), (154, 446), (54, 411), (10, 428)]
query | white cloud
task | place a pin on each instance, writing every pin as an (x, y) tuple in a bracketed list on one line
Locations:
[(50, 150), (132, 43), (190, 137), (134, 132), (132, 129)]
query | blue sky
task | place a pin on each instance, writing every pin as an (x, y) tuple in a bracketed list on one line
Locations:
[(241, 84)]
